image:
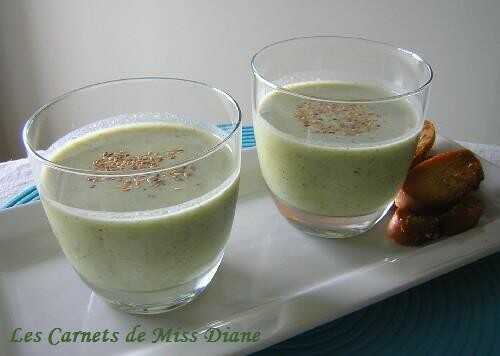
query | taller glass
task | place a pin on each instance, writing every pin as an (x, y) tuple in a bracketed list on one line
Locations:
[(336, 122), (139, 180)]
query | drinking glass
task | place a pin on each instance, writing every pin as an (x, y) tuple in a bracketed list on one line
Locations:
[(336, 123), (144, 227)]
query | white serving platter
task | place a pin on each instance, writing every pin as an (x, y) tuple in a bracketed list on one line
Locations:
[(273, 279)]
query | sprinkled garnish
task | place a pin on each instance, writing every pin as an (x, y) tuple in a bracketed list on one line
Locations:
[(123, 161), (336, 118)]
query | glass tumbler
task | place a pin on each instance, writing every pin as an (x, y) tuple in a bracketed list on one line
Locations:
[(139, 179), (336, 123)]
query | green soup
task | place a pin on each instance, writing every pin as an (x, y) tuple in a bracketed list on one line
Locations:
[(335, 159), (150, 232)]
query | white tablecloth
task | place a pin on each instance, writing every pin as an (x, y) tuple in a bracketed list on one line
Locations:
[(16, 175)]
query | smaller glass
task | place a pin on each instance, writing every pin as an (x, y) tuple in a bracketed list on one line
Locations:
[(139, 180), (336, 123)]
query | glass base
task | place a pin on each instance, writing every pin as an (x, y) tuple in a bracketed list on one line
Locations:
[(329, 226), (157, 302)]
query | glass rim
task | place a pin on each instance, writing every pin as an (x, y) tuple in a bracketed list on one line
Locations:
[(347, 101), (97, 173)]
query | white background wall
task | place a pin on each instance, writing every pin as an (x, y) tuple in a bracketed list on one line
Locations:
[(50, 46)]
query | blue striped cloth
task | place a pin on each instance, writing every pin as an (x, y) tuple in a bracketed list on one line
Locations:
[(31, 194), (457, 314)]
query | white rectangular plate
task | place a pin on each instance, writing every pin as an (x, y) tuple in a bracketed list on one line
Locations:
[(273, 279)]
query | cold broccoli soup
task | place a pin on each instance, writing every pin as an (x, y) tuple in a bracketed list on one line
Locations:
[(142, 232), (334, 158)]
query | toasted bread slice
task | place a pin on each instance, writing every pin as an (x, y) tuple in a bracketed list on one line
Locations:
[(410, 229), (425, 142), (441, 181), (463, 216)]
